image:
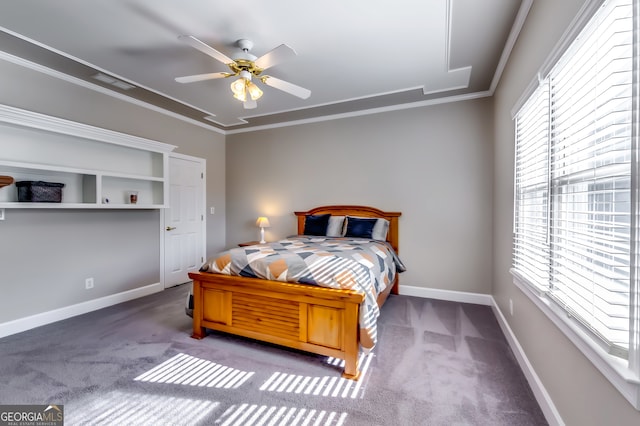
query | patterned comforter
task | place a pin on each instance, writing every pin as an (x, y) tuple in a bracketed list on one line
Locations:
[(365, 265)]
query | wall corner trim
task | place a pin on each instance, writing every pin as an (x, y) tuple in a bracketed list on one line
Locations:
[(542, 396), (452, 296)]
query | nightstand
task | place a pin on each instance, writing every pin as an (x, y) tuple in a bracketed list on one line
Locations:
[(248, 243)]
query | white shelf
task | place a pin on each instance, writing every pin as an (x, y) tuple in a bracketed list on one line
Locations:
[(18, 205), (94, 164), (72, 170), (84, 188)]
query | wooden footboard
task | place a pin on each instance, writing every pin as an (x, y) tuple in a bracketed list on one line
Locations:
[(313, 319)]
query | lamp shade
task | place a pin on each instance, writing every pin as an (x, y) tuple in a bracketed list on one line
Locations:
[(263, 222), (239, 89), (254, 91)]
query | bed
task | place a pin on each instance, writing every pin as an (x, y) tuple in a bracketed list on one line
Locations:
[(301, 315)]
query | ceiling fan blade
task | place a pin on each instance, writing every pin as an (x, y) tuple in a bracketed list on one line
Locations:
[(275, 56), (285, 86), (206, 49), (200, 77), (250, 104)]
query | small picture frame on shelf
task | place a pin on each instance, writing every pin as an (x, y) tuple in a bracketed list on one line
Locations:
[(133, 197)]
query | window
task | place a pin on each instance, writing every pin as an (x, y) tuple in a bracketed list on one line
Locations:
[(575, 215)]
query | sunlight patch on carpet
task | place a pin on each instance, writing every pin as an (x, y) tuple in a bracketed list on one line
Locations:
[(330, 386), (132, 408), (191, 371), (252, 414)]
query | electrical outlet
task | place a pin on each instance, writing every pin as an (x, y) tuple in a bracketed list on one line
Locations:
[(1, 214), (88, 283), (511, 306), (213, 210)]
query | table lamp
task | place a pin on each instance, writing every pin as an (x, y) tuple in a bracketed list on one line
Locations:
[(262, 222)]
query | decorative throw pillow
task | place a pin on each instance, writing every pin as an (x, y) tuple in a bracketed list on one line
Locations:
[(360, 227), (336, 226), (380, 230), (316, 224)]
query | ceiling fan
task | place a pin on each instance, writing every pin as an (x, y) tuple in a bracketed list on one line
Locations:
[(246, 65)]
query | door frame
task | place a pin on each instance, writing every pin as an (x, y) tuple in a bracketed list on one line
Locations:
[(163, 212)]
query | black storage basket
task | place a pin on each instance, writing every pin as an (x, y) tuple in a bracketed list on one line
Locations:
[(39, 191)]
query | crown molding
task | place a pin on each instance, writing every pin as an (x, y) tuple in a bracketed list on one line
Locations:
[(34, 120)]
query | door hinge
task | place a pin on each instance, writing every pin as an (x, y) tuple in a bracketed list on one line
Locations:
[(201, 175), (202, 259), (201, 218)]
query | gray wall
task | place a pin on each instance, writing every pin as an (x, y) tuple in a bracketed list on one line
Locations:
[(433, 164), (582, 395), (45, 255)]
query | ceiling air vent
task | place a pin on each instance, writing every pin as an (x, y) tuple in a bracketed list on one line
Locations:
[(113, 81)]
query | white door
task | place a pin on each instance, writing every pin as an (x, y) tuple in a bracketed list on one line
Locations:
[(184, 219)]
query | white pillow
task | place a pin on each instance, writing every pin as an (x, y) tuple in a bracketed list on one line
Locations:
[(335, 228), (380, 230)]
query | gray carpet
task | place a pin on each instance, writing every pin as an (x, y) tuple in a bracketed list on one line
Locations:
[(436, 363)]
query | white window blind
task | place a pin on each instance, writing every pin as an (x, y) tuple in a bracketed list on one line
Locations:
[(573, 188), (531, 251)]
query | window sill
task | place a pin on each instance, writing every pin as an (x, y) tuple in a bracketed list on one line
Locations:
[(614, 369)]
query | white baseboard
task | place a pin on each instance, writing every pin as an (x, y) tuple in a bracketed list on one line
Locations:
[(33, 321), (452, 296), (542, 396)]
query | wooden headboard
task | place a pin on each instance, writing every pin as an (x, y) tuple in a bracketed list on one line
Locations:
[(360, 211)]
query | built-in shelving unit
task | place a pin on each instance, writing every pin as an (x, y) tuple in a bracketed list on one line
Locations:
[(98, 167)]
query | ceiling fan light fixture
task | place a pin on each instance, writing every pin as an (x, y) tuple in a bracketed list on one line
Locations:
[(254, 91), (240, 96), (245, 65), (239, 86), (239, 89)]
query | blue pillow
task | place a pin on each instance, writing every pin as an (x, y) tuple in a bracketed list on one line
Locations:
[(360, 227), (316, 224)]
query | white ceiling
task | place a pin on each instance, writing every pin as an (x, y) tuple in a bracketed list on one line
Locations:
[(355, 56)]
